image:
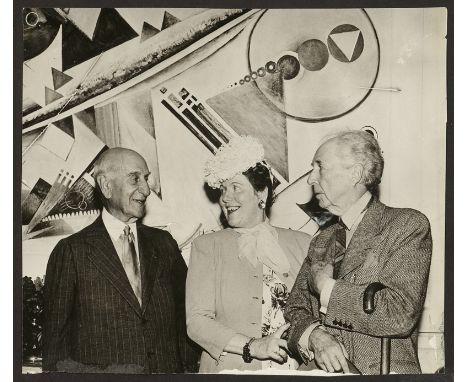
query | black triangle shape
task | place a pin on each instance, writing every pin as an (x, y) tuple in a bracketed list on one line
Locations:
[(59, 78), (66, 125), (168, 20), (111, 30), (88, 118), (51, 95), (35, 198), (148, 31)]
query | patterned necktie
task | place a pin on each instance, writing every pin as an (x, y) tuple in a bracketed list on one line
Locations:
[(130, 261), (340, 249)]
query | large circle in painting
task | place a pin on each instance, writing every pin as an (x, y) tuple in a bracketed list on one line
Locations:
[(338, 53)]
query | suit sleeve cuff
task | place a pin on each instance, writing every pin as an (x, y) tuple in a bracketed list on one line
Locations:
[(325, 294)]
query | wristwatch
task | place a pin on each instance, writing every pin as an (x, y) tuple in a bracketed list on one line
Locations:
[(246, 356)]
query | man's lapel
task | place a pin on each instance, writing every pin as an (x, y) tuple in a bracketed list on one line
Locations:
[(105, 258), (364, 238), (324, 248), (150, 260)]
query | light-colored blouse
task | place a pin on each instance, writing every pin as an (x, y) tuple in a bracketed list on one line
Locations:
[(275, 295)]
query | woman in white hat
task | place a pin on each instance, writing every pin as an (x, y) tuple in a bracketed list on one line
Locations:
[(239, 278)]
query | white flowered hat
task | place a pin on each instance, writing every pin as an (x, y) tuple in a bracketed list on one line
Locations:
[(232, 158)]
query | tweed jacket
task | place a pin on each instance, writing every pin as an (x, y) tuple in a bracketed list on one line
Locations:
[(224, 294), (93, 320), (392, 246)]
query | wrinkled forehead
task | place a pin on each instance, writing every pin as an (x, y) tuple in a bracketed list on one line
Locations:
[(128, 163), (334, 152)]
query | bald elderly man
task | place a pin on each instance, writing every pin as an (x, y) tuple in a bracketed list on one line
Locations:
[(115, 291)]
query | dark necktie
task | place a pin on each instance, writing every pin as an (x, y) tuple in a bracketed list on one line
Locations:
[(130, 261), (340, 249)]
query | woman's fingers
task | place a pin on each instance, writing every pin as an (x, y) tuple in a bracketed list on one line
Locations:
[(283, 354), (271, 347), (277, 358), (279, 332), (283, 344), (277, 349), (279, 355)]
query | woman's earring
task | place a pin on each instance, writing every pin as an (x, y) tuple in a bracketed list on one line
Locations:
[(262, 204)]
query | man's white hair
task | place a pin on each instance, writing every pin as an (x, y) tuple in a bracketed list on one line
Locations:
[(365, 150)]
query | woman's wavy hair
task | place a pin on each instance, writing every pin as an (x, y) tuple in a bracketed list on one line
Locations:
[(260, 178)]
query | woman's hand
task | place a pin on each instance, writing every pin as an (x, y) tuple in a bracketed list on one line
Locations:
[(271, 347)]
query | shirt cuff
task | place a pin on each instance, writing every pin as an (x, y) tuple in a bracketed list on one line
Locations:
[(303, 344), (325, 294)]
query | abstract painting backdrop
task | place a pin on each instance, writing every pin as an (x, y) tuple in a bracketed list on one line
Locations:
[(174, 84)]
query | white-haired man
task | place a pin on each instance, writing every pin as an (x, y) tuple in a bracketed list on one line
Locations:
[(371, 243)]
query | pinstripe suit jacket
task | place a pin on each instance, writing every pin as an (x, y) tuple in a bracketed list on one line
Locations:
[(93, 318), (392, 246)]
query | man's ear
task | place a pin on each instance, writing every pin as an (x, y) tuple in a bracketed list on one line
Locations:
[(357, 172), (105, 186)]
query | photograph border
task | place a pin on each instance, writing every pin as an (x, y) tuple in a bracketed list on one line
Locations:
[(17, 241)]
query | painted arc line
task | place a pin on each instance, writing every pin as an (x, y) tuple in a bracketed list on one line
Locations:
[(143, 76)]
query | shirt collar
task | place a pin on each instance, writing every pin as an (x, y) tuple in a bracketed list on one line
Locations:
[(114, 226), (350, 217)]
